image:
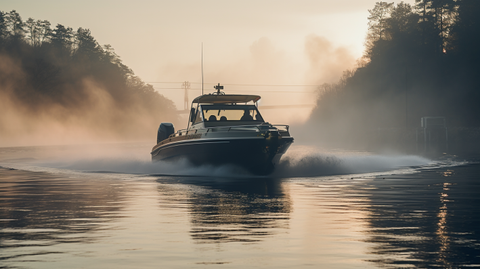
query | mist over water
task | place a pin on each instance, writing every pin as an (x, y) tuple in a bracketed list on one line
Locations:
[(134, 159), (322, 165)]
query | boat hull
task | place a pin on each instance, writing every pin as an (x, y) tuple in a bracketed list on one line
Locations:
[(255, 154)]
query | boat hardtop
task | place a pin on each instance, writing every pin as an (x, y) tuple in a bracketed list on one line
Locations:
[(226, 98)]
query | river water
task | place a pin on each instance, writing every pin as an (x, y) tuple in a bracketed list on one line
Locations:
[(108, 206)]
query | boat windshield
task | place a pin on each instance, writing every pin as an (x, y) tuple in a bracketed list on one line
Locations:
[(229, 113)]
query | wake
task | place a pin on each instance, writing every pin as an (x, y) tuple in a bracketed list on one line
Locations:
[(298, 162)]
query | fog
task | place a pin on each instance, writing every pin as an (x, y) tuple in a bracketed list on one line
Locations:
[(79, 108), (50, 99), (326, 61), (281, 77), (405, 75), (87, 112)]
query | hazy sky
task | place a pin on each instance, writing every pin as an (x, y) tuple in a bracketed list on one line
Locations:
[(268, 42)]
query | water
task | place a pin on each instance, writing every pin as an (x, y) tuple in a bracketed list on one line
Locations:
[(110, 207)]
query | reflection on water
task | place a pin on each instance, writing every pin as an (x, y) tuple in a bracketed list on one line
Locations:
[(430, 220), (40, 210), (420, 217), (235, 210)]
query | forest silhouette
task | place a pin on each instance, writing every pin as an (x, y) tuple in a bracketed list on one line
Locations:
[(60, 85), (420, 60)]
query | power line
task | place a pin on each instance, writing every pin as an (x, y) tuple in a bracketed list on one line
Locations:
[(274, 85), (272, 91), (247, 85), (265, 91), (179, 88)]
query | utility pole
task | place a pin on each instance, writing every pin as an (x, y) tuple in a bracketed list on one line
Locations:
[(186, 86)]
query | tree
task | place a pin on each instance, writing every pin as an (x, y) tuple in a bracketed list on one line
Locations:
[(3, 26), (37, 31), (87, 47), (403, 32), (62, 37), (466, 31), (110, 56), (31, 27), (44, 31), (445, 14), (15, 25), (437, 18), (400, 18), (377, 22)]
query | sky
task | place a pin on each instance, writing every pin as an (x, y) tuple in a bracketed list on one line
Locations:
[(280, 49)]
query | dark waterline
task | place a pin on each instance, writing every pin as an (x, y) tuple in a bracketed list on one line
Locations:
[(422, 217)]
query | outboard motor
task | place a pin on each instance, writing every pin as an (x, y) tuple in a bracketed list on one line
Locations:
[(164, 131)]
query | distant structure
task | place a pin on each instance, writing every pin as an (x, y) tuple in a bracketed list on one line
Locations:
[(186, 86), (434, 132)]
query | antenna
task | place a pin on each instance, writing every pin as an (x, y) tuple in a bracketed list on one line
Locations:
[(218, 88), (202, 68)]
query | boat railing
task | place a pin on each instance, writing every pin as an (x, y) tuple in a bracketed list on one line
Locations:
[(282, 128)]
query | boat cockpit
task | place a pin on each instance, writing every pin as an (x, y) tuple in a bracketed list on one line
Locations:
[(224, 115), (224, 110)]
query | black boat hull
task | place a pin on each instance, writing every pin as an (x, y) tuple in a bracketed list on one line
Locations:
[(255, 154)]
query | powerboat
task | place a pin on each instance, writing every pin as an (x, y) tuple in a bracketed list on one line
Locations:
[(225, 129)]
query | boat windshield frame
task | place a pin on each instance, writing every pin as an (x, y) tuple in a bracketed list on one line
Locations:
[(228, 111), (227, 100)]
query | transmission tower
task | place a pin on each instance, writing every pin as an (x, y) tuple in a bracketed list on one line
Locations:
[(186, 86)]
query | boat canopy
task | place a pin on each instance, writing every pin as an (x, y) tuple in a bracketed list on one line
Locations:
[(226, 98)]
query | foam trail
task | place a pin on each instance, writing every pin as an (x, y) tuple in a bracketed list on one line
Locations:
[(305, 166), (134, 159), (323, 165)]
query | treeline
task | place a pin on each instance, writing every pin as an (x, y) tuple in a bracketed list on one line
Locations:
[(420, 60), (61, 78)]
